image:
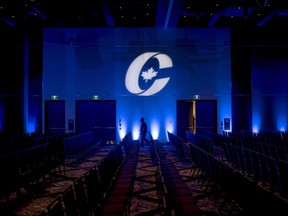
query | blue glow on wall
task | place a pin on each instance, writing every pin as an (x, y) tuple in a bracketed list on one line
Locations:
[(122, 128), (255, 129), (270, 99), (155, 129), (280, 107), (135, 130), (256, 114), (32, 125), (145, 70)]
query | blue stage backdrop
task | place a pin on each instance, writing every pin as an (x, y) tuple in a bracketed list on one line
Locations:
[(145, 70), (270, 99)]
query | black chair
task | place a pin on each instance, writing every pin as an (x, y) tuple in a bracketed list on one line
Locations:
[(56, 207), (69, 201), (105, 173), (95, 190), (249, 163), (283, 169), (81, 198)]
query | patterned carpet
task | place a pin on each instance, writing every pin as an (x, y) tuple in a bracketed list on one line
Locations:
[(211, 199)]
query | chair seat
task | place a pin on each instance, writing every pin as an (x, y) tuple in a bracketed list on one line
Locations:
[(122, 185), (177, 185), (179, 192), (121, 191), (114, 208), (117, 199), (183, 199), (188, 209)]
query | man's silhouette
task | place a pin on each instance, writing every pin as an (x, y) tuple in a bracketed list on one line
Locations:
[(143, 131)]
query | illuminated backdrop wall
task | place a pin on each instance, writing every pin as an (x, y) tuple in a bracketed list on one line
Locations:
[(144, 70), (270, 99)]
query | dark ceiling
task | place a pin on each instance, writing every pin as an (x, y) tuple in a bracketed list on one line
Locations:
[(144, 13)]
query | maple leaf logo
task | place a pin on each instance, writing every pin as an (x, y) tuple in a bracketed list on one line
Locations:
[(149, 74)]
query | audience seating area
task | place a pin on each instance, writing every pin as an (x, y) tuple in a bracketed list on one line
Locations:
[(24, 165), (80, 146), (251, 169), (105, 189), (177, 198), (25, 171)]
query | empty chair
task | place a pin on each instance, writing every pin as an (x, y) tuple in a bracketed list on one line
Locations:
[(105, 173), (117, 200), (283, 170), (274, 173), (81, 198), (249, 163), (95, 191), (56, 207), (69, 201), (283, 153), (270, 172), (188, 209), (114, 209)]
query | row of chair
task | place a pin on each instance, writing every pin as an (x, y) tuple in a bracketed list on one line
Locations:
[(259, 143), (243, 173), (25, 167), (176, 194), (13, 143), (177, 142), (118, 200), (79, 146), (103, 190), (263, 169), (131, 147), (265, 165), (250, 193), (271, 137), (214, 170)]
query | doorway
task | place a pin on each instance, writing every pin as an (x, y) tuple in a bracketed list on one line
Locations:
[(99, 116), (197, 116), (54, 116)]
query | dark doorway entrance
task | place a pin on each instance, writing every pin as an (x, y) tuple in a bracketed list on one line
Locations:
[(197, 116), (99, 116), (54, 116)]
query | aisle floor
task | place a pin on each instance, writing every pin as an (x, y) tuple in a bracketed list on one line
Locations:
[(211, 198)]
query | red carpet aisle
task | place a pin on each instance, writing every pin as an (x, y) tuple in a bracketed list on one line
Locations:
[(210, 197), (145, 199)]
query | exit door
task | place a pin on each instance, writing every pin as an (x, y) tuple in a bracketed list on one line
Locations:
[(197, 116), (54, 116), (99, 116)]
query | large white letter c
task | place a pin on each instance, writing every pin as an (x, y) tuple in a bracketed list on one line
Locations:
[(134, 70)]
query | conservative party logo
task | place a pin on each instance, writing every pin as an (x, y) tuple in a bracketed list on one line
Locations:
[(135, 74)]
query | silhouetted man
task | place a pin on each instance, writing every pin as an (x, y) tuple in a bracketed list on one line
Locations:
[(143, 131)]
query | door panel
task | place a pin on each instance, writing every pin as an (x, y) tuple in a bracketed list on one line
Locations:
[(184, 118), (97, 115), (206, 116), (54, 117), (196, 116)]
